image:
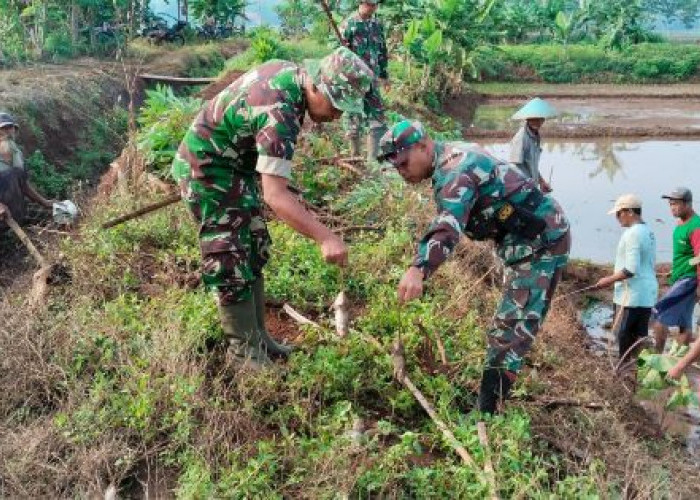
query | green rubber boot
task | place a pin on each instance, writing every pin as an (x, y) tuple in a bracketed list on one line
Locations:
[(273, 347), (495, 387), (240, 325)]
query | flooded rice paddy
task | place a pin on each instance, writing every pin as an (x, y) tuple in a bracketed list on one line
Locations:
[(588, 176), (622, 112)]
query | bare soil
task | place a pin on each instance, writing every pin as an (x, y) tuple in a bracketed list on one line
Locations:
[(602, 111)]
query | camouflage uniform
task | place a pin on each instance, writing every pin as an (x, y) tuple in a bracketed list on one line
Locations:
[(251, 128), (12, 172), (475, 193), (366, 39)]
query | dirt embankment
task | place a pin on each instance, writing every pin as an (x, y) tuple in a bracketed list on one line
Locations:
[(55, 105), (625, 112)]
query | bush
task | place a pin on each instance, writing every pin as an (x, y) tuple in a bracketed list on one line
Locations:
[(554, 63)]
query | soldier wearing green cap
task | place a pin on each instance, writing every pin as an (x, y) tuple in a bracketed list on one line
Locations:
[(485, 198), (363, 33), (247, 133), (525, 146)]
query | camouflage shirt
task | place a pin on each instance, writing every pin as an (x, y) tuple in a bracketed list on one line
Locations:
[(366, 39), (470, 187), (250, 126)]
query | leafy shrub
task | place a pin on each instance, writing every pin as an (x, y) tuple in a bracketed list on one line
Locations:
[(164, 120), (555, 63)]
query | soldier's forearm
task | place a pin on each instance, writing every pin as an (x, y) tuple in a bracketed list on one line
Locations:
[(287, 207)]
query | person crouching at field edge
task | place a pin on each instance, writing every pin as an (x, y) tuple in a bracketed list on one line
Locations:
[(484, 198), (246, 134)]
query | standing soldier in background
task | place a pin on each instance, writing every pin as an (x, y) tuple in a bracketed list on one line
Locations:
[(364, 35), (525, 147), (248, 132), (484, 198), (14, 184)]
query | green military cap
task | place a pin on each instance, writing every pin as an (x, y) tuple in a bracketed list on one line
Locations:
[(343, 78), (399, 139), (371, 2)]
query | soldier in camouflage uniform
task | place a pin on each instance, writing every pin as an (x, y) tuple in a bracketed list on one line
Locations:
[(249, 130), (364, 35), (486, 199), (14, 184)]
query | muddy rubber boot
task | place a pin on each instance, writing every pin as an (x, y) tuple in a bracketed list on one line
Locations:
[(354, 140), (273, 347), (373, 137), (240, 325), (495, 386)]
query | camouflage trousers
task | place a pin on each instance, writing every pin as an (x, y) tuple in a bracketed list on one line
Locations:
[(233, 237), (528, 288), (374, 111)]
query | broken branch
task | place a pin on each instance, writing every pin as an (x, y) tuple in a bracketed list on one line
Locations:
[(400, 373), (488, 466), (298, 317)]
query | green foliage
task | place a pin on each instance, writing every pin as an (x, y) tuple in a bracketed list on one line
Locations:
[(46, 177), (643, 62), (222, 11), (164, 119), (652, 373)]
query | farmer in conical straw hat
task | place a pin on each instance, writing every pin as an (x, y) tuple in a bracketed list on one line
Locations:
[(525, 146), (14, 184), (248, 132), (485, 198)]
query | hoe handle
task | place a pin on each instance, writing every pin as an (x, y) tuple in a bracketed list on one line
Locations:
[(327, 10), (143, 211), (24, 239)]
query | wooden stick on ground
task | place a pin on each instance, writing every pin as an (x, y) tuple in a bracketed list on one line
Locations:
[(488, 465), (400, 373), (142, 211), (298, 317)]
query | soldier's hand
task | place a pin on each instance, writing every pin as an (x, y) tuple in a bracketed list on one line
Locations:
[(386, 84), (334, 251), (411, 285)]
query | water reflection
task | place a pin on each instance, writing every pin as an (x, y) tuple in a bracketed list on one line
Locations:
[(588, 176)]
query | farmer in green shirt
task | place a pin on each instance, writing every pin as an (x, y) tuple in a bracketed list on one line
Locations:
[(246, 134), (675, 309)]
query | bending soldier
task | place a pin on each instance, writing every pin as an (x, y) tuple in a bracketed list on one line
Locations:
[(485, 199), (248, 130)]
